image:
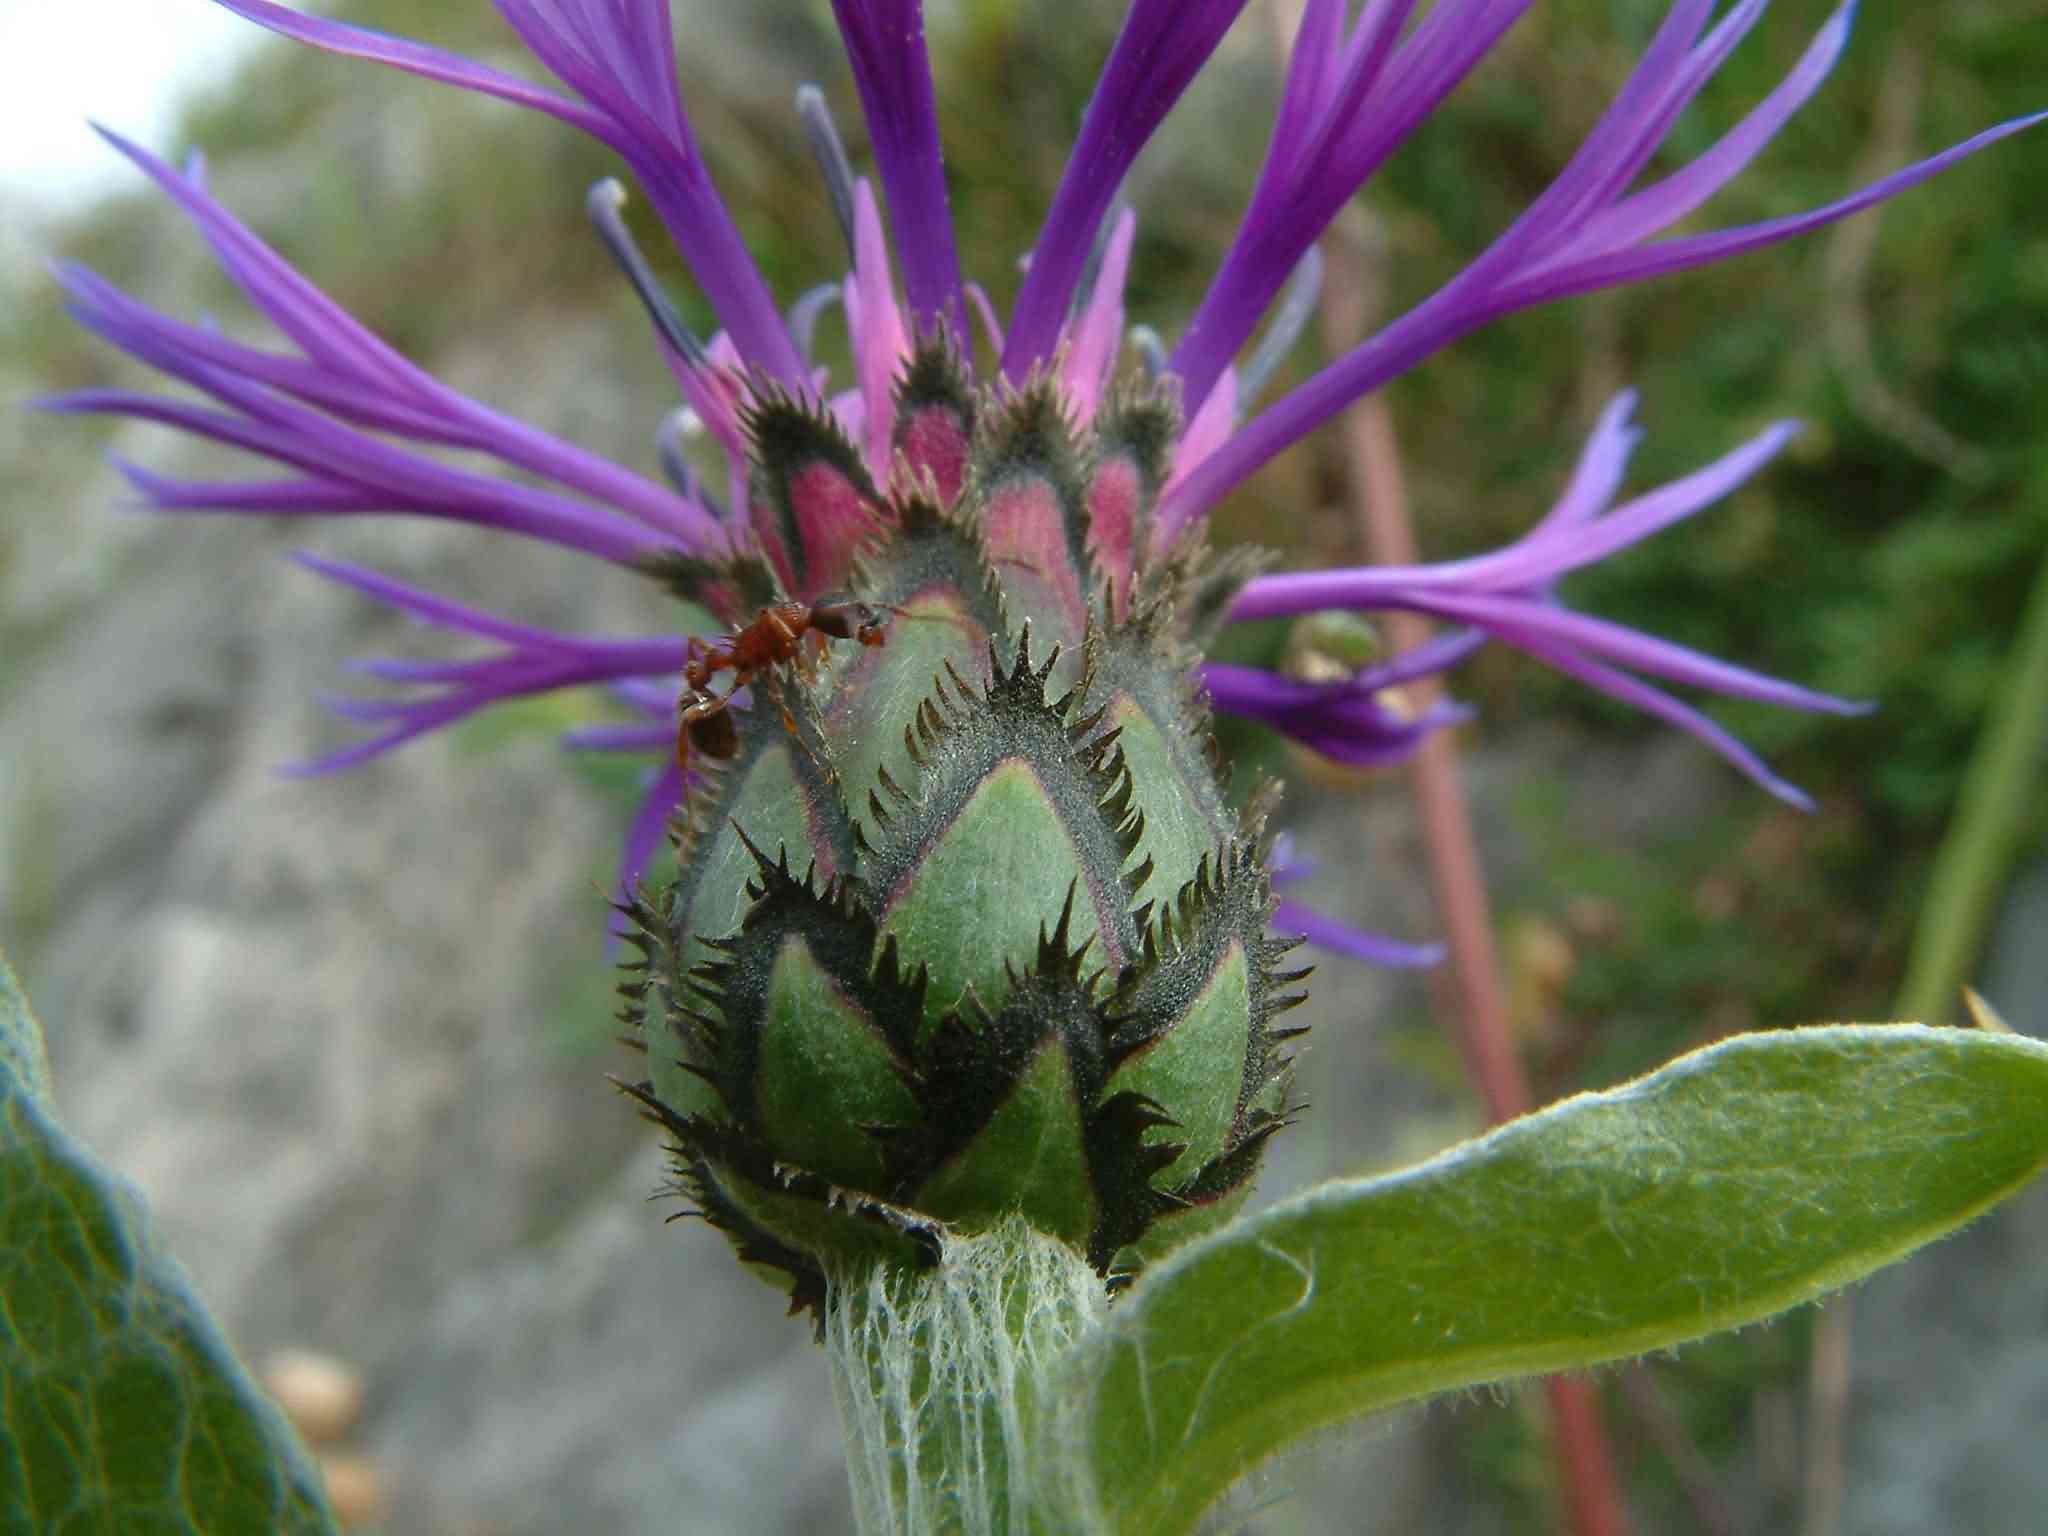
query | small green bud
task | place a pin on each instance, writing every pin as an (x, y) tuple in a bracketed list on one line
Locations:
[(1329, 647)]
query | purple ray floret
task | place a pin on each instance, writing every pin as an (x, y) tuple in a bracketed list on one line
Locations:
[(654, 700), (314, 411), (885, 45), (1163, 45), (346, 471), (1349, 102), (1325, 932), (1509, 594), (361, 431), (619, 58), (620, 738), (649, 826), (661, 793), (1584, 233), (1347, 722), (529, 661)]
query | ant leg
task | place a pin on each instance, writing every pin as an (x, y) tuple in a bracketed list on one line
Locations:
[(701, 662)]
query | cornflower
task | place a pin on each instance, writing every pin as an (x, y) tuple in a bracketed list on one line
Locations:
[(343, 409), (996, 838)]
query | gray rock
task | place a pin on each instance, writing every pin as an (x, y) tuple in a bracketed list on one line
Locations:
[(350, 1036)]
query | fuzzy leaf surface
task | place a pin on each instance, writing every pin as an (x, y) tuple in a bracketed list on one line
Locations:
[(1759, 1173), (122, 1409)]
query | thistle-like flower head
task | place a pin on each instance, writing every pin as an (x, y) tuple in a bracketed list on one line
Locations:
[(966, 923)]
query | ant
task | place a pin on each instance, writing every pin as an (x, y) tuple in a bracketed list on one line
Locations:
[(776, 634)]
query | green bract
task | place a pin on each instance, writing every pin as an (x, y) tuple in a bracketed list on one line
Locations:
[(966, 926)]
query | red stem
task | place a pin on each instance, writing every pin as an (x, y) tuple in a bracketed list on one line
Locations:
[(1476, 1007)]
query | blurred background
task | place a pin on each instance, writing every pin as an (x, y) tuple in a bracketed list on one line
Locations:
[(351, 1036)]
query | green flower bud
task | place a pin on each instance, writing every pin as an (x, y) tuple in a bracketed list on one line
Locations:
[(966, 925)]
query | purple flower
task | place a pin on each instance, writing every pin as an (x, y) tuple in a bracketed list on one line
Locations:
[(357, 428)]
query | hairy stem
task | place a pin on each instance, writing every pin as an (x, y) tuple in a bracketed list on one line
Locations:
[(945, 1380)]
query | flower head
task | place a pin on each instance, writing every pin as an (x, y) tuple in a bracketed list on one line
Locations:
[(346, 412), (1053, 509)]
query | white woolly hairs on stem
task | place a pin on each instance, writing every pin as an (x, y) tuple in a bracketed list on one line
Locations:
[(950, 1381)]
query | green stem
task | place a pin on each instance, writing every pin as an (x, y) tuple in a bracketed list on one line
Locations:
[(945, 1380), (1997, 791)]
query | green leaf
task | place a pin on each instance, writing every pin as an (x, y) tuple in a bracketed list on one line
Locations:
[(122, 1409), (1759, 1173), (22, 1059)]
